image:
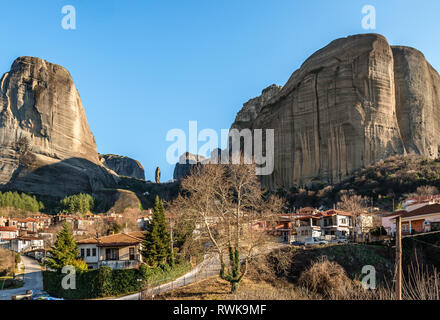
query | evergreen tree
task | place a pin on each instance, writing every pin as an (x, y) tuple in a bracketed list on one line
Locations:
[(65, 252), (21, 201), (79, 203), (157, 243)]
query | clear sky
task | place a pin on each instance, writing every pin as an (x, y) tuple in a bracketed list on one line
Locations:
[(145, 67)]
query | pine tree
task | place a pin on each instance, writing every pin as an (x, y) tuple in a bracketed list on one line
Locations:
[(157, 243), (65, 252)]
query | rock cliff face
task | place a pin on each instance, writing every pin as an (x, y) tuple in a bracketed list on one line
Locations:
[(186, 162), (46, 146), (352, 103), (123, 166)]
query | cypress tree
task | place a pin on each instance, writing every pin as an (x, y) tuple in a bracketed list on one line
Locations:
[(65, 252), (157, 244)]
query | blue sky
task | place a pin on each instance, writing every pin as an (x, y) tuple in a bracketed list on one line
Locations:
[(145, 67)]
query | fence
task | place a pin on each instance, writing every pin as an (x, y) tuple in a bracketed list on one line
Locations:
[(201, 272)]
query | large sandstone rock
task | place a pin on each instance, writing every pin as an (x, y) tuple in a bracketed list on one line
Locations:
[(46, 146), (123, 166), (352, 103), (187, 161), (252, 108)]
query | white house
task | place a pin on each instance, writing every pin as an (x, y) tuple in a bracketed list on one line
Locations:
[(307, 226), (336, 223), (26, 243), (8, 233), (116, 251)]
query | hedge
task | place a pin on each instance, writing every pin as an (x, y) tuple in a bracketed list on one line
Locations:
[(106, 282)]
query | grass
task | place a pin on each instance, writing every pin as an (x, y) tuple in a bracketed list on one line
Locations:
[(214, 288)]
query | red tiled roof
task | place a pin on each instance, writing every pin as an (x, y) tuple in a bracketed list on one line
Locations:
[(8, 229), (120, 239), (333, 212), (428, 209), (25, 220)]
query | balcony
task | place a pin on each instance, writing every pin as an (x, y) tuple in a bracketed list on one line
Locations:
[(119, 264)]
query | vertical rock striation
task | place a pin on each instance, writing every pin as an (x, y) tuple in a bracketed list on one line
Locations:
[(350, 104), (46, 146)]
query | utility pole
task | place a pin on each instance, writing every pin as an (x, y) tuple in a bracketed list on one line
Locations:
[(398, 258)]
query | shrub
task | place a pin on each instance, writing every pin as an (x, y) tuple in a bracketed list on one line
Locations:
[(106, 282), (6, 262), (17, 258), (327, 278)]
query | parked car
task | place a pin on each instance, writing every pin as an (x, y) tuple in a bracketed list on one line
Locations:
[(341, 240), (297, 243), (314, 241)]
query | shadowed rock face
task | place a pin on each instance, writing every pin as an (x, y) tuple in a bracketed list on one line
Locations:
[(187, 162), (46, 145), (352, 103), (123, 166)]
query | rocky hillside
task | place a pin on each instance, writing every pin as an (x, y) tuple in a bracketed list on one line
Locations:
[(351, 104), (46, 146), (123, 166), (187, 161)]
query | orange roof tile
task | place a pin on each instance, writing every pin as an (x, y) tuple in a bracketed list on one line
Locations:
[(120, 239)]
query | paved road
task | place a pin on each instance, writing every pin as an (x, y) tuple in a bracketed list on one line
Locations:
[(209, 267), (33, 279)]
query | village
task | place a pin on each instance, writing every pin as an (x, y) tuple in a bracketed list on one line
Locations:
[(34, 235)]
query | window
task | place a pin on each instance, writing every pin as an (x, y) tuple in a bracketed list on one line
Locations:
[(131, 253), (112, 254), (94, 252), (88, 252), (82, 252)]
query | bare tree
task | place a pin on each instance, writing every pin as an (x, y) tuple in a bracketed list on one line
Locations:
[(227, 202), (357, 205), (426, 191)]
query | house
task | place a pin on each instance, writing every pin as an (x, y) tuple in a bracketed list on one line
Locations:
[(8, 233), (283, 228), (26, 243), (61, 218), (26, 224), (417, 202), (336, 223), (116, 251), (423, 219), (143, 222), (44, 219), (82, 224), (308, 226)]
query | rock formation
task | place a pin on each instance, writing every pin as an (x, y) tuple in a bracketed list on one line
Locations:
[(123, 166), (352, 103), (186, 162), (46, 146), (157, 175), (252, 108)]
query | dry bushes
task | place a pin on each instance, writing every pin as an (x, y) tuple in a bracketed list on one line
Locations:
[(421, 283), (326, 278), (7, 261)]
